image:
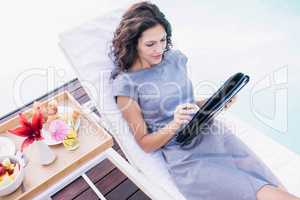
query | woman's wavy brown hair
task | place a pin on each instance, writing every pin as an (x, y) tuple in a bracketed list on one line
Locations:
[(138, 18)]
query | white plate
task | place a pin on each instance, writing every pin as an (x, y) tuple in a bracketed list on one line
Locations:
[(47, 135), (7, 147)]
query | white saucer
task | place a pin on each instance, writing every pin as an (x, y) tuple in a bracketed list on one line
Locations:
[(7, 146)]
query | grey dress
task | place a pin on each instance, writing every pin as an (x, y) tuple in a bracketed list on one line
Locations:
[(218, 167)]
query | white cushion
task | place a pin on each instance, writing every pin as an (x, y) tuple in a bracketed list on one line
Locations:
[(87, 48)]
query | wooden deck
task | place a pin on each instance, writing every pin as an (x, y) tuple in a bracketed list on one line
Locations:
[(112, 183)]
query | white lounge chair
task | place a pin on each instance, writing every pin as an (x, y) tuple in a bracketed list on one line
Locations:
[(86, 47)]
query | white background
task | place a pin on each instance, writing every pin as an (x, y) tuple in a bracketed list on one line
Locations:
[(219, 38)]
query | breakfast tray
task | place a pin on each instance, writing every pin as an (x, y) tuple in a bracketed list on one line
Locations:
[(93, 140)]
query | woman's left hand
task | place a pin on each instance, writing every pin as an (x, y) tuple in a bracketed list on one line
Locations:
[(229, 103)]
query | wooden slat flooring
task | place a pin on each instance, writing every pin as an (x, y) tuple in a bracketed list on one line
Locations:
[(112, 183)]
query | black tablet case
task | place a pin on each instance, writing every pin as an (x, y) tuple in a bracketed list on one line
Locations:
[(211, 108)]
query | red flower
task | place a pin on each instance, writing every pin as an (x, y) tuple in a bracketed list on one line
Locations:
[(32, 131)]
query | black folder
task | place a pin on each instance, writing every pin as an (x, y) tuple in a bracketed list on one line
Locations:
[(211, 108)]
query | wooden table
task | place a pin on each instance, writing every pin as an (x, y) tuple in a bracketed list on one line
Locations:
[(42, 181)]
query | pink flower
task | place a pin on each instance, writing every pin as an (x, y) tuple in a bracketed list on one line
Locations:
[(58, 129)]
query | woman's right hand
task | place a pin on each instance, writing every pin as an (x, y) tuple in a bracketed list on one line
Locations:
[(183, 113)]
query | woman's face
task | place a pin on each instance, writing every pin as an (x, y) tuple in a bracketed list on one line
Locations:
[(151, 45)]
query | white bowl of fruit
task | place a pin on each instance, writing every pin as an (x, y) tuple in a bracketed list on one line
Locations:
[(11, 174)]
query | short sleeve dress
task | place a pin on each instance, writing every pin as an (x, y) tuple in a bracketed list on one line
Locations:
[(220, 166)]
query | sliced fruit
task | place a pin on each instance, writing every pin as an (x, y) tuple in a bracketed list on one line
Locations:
[(7, 168), (6, 179), (71, 134), (6, 163), (2, 170), (71, 144)]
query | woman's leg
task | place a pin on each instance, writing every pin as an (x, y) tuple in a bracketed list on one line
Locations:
[(269, 192)]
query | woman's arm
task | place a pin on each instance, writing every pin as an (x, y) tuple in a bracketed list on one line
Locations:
[(154, 141), (149, 142)]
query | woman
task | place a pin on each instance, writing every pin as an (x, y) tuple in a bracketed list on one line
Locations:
[(156, 98)]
